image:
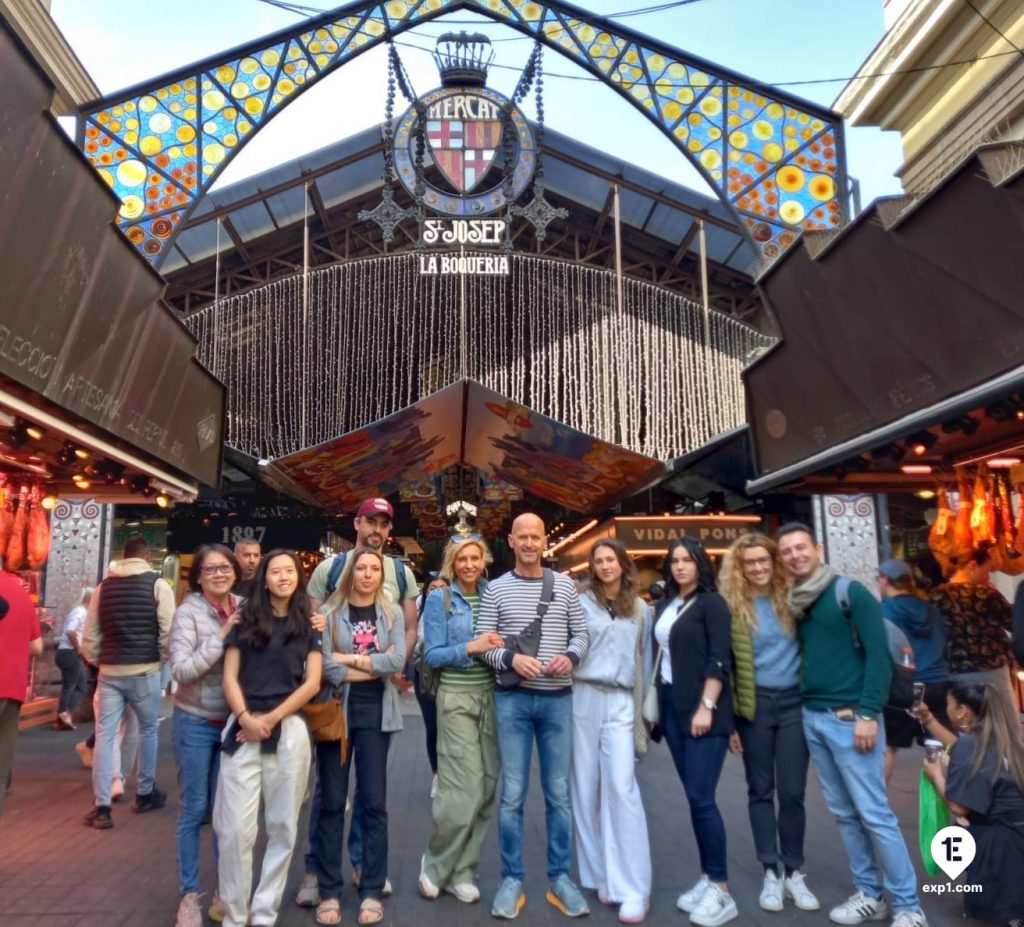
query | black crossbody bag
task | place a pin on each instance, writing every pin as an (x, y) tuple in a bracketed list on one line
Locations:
[(527, 641)]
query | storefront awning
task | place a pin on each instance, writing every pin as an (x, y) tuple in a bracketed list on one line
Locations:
[(470, 424), (81, 321), (893, 323)]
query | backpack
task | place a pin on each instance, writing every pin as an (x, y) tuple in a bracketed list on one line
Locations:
[(338, 567), (430, 676), (901, 686)]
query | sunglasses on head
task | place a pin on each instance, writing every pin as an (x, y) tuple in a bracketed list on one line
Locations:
[(459, 538)]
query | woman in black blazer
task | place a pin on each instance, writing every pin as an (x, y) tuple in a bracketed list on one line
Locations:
[(693, 628)]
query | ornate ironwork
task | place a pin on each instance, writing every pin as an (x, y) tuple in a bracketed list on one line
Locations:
[(777, 161)]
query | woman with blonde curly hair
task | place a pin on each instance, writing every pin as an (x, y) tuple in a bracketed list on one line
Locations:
[(467, 745), (769, 725)]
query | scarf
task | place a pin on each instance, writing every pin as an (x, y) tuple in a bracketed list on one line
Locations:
[(802, 597)]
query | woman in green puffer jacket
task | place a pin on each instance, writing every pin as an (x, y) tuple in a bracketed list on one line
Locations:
[(769, 718)]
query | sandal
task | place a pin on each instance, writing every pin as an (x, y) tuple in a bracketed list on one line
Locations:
[(328, 912), (308, 895), (371, 911)]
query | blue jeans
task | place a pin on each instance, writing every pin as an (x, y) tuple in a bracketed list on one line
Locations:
[(698, 761), (115, 693), (854, 789), (197, 755), (522, 716)]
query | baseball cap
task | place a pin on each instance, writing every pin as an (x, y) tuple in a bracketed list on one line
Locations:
[(894, 569), (375, 507)]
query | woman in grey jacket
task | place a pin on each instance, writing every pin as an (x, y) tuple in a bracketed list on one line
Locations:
[(196, 657), (364, 645)]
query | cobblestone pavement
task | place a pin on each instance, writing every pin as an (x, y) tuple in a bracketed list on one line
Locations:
[(54, 870)]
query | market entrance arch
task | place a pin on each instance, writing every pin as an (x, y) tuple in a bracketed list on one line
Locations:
[(775, 160)]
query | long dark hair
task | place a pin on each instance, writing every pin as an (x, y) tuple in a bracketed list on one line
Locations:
[(705, 568), (257, 618), (996, 727), (625, 602), (199, 556)]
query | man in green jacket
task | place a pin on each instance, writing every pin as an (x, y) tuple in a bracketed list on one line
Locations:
[(844, 687)]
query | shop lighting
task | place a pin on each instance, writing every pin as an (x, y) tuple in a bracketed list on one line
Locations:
[(83, 483), (148, 491), (138, 483), (916, 469), (925, 494), (921, 443), (81, 453), (1005, 410), (48, 502), (18, 434), (550, 552), (892, 452), (66, 455), (163, 500), (1003, 463), (34, 432)]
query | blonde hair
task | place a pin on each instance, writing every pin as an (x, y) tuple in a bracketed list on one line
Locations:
[(343, 593), (451, 550), (737, 591)]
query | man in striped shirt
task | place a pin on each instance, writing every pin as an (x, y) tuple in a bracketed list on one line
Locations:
[(539, 707)]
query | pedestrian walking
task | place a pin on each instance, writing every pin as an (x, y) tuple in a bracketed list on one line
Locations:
[(69, 661), (769, 731), (272, 664), (533, 702), (844, 684), (608, 813), (693, 633)]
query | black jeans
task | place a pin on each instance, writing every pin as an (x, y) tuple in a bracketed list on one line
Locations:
[(698, 761), (72, 678), (775, 757), (369, 749), (428, 708)]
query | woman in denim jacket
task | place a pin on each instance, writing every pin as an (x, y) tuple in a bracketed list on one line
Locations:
[(364, 646), (467, 746)]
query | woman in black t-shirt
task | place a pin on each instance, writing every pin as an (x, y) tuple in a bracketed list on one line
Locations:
[(272, 664), (364, 645), (983, 781)]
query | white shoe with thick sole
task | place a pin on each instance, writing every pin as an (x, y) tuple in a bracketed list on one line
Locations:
[(715, 908), (689, 900)]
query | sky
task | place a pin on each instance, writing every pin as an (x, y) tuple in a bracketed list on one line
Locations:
[(122, 43)]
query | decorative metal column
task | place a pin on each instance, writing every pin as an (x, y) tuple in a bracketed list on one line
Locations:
[(79, 552), (847, 527)]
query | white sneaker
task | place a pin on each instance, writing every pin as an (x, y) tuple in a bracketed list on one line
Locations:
[(689, 900), (913, 919), (715, 908), (771, 892), (433, 786), (427, 888), (859, 908), (802, 896), (466, 892), (116, 789)]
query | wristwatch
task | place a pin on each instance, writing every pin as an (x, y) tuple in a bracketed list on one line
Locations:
[(708, 704)]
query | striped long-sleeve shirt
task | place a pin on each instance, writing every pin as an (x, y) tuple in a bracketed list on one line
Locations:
[(510, 604)]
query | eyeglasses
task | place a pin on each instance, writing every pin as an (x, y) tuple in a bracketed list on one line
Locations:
[(459, 538), (213, 568), (757, 562)]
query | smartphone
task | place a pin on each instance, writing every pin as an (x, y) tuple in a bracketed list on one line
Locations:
[(918, 693), (845, 714)]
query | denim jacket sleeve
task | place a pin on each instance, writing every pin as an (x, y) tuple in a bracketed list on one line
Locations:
[(436, 649)]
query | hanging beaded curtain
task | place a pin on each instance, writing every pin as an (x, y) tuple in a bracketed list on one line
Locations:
[(380, 335)]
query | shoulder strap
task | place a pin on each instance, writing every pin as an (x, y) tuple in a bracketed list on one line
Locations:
[(337, 568), (400, 579), (843, 601), (547, 592)]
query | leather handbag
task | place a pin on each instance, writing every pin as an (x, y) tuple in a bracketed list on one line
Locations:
[(650, 710), (527, 641), (326, 719)]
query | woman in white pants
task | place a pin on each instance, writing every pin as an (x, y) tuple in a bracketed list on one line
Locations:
[(272, 663), (608, 813)]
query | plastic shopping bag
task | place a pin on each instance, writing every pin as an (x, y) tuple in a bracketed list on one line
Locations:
[(933, 815)]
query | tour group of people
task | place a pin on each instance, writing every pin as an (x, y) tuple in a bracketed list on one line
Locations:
[(776, 657)]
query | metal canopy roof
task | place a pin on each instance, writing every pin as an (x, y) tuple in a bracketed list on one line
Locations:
[(262, 216)]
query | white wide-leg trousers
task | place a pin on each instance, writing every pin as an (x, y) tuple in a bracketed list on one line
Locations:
[(608, 813), (280, 779)]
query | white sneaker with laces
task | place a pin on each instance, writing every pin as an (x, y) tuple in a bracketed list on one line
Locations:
[(771, 892), (466, 892), (911, 919), (715, 908), (859, 908), (796, 888), (689, 900), (427, 888)]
